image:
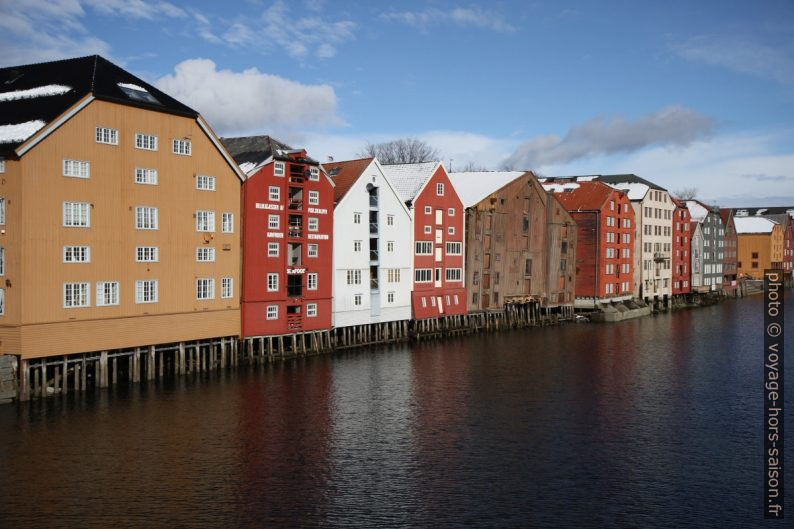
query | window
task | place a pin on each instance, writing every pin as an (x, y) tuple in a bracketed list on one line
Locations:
[(311, 250), (205, 288), (311, 310), (440, 190), (227, 222), (354, 277), (356, 218), (145, 218), (278, 169), (147, 254), (272, 282), (106, 135), (107, 293), (182, 147), (393, 275), (357, 300), (205, 255), (456, 299), (227, 287), (2, 261), (424, 248), (75, 214), (451, 212), (274, 193), (428, 229), (205, 221), (314, 198), (423, 275), (75, 295), (272, 249), (390, 220), (390, 246), (146, 142), (454, 248), (76, 254), (272, 310), (451, 230), (145, 176), (311, 281), (453, 274), (2, 211), (390, 297), (356, 246), (272, 222), (424, 302), (2, 169), (314, 224), (76, 169), (433, 301), (146, 291), (314, 173), (428, 210), (205, 183)]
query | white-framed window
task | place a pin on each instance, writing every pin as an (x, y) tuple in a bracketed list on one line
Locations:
[(147, 254), (456, 299), (227, 222), (424, 248), (76, 295), (428, 210), (354, 277), (451, 230), (205, 221), (75, 214), (314, 224), (356, 246), (205, 288), (356, 218), (274, 193), (433, 300), (311, 250), (393, 275), (205, 183), (145, 176), (107, 135), (428, 230), (227, 287), (424, 302), (107, 293), (272, 222), (390, 297), (2, 261), (311, 310), (453, 274), (77, 168), (272, 282), (390, 220), (278, 170), (314, 173), (205, 254), (182, 147), (2, 211), (146, 218), (272, 312), (451, 212), (454, 248), (390, 246), (272, 249), (423, 275), (314, 198), (146, 291), (147, 142), (357, 300), (311, 281), (2, 165), (440, 189), (76, 254)]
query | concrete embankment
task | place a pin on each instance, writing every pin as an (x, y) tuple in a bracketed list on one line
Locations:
[(621, 311)]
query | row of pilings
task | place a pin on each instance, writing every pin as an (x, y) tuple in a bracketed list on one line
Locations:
[(61, 375)]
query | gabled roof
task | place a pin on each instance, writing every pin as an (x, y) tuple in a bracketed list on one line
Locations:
[(679, 203), (252, 152), (698, 210), (725, 215), (585, 196), (34, 95), (345, 174), (613, 179), (473, 187), (635, 187), (410, 178), (747, 225)]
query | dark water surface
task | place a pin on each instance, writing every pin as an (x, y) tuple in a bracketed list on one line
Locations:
[(648, 423)]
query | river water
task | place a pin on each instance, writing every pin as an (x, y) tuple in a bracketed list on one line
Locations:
[(654, 422)]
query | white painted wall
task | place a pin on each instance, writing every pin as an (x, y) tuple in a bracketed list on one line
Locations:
[(346, 232)]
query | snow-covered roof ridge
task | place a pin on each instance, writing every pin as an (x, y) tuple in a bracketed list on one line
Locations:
[(39, 91), (474, 186), (20, 131), (562, 187), (408, 178), (746, 225), (697, 211), (635, 190), (132, 86)]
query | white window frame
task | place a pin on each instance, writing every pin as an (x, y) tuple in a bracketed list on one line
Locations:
[(205, 254), (84, 295), (311, 310), (227, 222), (356, 246), (2, 261), (357, 300), (423, 275), (2, 168), (454, 248), (314, 198), (390, 220), (102, 299), (227, 287), (205, 221), (145, 142), (314, 174), (314, 224), (147, 291), (440, 189), (453, 275), (205, 182), (205, 288), (451, 230), (390, 246), (272, 282), (312, 250), (273, 222), (428, 210), (76, 168), (71, 252), (2, 211), (353, 277), (107, 136), (70, 220), (147, 218), (451, 212), (274, 193), (272, 249), (356, 218), (423, 248), (278, 169), (146, 176), (181, 147), (142, 252), (390, 297), (311, 281), (271, 312)]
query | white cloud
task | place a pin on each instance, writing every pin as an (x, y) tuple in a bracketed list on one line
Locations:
[(672, 125), (136, 8), (474, 16), (250, 101)]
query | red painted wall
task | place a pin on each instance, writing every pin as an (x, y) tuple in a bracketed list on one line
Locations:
[(682, 251), (256, 264), (448, 289)]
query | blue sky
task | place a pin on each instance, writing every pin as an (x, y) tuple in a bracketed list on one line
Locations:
[(687, 94)]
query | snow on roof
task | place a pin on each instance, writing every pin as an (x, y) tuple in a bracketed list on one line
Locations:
[(19, 132), (408, 178), (634, 190), (472, 187), (561, 188), (697, 211), (247, 167), (761, 211), (585, 178), (39, 91), (753, 225), (132, 87)]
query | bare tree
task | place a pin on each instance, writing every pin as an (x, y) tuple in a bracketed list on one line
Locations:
[(403, 150), (473, 167), (686, 193)]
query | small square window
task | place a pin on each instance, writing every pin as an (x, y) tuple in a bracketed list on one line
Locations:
[(428, 210), (278, 170), (272, 249), (274, 193), (428, 229), (451, 212), (311, 250), (311, 310), (272, 312)]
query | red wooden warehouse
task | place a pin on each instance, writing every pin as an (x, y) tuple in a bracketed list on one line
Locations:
[(287, 238), (682, 249), (438, 288)]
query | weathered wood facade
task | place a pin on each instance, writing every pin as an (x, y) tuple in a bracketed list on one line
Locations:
[(760, 246)]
